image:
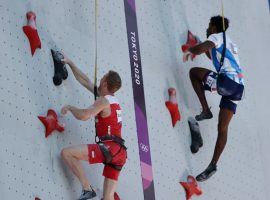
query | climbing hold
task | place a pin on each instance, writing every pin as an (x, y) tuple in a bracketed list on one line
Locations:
[(51, 123), (196, 138), (191, 41), (116, 197), (30, 31), (36, 198), (173, 106), (191, 187), (60, 70)]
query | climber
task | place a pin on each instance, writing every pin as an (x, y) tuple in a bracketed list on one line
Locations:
[(110, 148), (228, 82)]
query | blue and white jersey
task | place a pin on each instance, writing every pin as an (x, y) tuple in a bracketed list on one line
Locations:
[(231, 66)]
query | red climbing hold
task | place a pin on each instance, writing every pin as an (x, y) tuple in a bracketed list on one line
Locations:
[(30, 31), (116, 197), (191, 187), (51, 123), (37, 198), (173, 106), (191, 41)]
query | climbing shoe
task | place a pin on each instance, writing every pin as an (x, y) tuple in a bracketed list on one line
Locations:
[(207, 173), (204, 115), (87, 194)]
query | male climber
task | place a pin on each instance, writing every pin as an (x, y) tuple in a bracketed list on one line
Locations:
[(227, 81), (110, 149)]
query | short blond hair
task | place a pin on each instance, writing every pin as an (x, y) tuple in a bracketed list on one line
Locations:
[(114, 82)]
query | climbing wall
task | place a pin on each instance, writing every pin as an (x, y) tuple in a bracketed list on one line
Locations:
[(30, 164), (242, 170)]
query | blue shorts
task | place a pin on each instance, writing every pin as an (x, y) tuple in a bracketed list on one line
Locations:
[(235, 90)]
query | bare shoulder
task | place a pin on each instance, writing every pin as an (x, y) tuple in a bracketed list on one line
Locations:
[(104, 106), (102, 101)]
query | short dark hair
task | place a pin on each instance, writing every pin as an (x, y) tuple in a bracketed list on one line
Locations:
[(217, 22), (114, 82)]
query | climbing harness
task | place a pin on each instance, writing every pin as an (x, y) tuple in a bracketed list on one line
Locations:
[(222, 78), (106, 152)]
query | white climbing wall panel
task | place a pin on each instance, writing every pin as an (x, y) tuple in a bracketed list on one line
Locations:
[(30, 165)]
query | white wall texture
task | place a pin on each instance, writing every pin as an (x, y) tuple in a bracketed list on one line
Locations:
[(30, 164)]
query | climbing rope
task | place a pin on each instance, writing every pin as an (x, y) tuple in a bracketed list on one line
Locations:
[(95, 74), (222, 13), (224, 35)]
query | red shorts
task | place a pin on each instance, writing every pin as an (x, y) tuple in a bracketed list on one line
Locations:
[(119, 158)]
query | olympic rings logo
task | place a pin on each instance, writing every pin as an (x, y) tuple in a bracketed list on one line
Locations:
[(144, 147)]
